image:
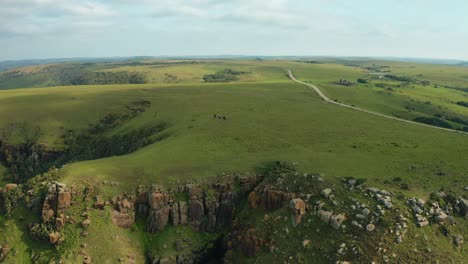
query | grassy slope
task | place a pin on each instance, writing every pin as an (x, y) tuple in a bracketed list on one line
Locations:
[(298, 127)]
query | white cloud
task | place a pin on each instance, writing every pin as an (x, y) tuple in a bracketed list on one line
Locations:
[(25, 17)]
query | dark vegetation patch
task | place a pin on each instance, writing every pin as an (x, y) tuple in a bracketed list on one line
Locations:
[(398, 78), (434, 121), (69, 74), (311, 62), (81, 76), (226, 75), (28, 158), (465, 104)]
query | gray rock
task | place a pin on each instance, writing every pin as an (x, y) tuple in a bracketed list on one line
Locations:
[(337, 220), (370, 227), (365, 211), (326, 192), (458, 240), (325, 216)]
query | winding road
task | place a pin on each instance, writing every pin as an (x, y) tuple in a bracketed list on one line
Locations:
[(328, 100)]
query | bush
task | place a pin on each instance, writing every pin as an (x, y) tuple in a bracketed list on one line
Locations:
[(465, 104), (361, 80), (10, 199), (433, 121), (41, 231)]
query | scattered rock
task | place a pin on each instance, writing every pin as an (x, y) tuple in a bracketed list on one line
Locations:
[(54, 238), (370, 227), (86, 222), (99, 203), (4, 251), (10, 186), (326, 192), (325, 216), (458, 240), (337, 220)]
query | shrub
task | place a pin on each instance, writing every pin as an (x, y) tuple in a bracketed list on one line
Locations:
[(433, 121), (41, 231), (465, 104)]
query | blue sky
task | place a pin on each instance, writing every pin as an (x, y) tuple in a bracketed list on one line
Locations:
[(96, 28)]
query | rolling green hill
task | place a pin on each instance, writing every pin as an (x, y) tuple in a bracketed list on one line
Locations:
[(240, 125)]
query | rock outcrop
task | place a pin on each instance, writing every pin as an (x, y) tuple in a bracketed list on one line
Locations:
[(57, 201), (123, 214), (268, 198), (298, 208), (206, 209)]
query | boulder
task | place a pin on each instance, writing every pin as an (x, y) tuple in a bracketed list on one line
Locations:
[(370, 227), (99, 203), (440, 216), (326, 192), (325, 216), (10, 186), (337, 220), (458, 240), (54, 238), (305, 243), (86, 222), (4, 251), (59, 223), (463, 206), (123, 220)]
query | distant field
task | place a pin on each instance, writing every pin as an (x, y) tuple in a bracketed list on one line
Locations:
[(430, 91)]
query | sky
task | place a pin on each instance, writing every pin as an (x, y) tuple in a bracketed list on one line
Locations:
[(34, 29)]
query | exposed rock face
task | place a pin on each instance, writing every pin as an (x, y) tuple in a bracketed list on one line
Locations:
[(159, 210), (245, 240), (196, 207), (208, 208), (57, 201), (268, 198), (123, 214), (298, 208)]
